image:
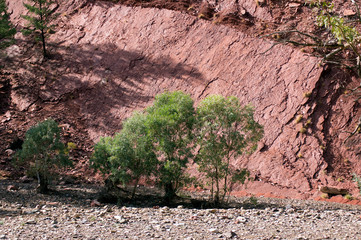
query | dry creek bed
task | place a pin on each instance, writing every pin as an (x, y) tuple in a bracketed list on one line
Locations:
[(69, 214)]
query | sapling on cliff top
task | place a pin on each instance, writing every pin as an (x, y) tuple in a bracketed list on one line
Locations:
[(6, 30), (40, 15)]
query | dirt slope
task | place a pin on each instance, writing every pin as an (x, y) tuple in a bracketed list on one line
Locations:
[(109, 60)]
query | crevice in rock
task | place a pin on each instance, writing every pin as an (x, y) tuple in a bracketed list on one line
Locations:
[(207, 85), (325, 97), (5, 93)]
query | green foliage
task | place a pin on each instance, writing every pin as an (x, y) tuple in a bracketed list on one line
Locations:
[(170, 122), (357, 179), (129, 155), (39, 21), (348, 197), (42, 150), (252, 200), (7, 32), (344, 33), (225, 130), (339, 44), (159, 142)]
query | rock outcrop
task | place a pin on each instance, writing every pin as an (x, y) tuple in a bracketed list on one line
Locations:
[(115, 59)]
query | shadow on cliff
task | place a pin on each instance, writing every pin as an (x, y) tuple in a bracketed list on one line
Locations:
[(327, 93), (5, 92), (105, 82)]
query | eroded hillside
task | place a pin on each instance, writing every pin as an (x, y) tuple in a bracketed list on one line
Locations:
[(110, 59)]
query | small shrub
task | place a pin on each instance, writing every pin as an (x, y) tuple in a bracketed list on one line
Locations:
[(201, 16), (357, 179), (324, 196), (340, 179), (307, 94), (71, 146), (348, 197), (303, 130), (43, 150), (299, 118), (253, 200)]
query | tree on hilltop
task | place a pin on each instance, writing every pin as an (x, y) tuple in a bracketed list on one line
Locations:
[(7, 32), (39, 20)]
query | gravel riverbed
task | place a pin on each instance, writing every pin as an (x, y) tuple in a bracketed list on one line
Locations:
[(70, 214)]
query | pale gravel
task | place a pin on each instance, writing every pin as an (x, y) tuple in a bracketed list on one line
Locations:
[(24, 214)]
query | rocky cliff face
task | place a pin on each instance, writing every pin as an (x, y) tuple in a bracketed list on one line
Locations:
[(111, 59)]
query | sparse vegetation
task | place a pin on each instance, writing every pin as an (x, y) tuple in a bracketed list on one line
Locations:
[(7, 31), (303, 130), (325, 196), (340, 179), (357, 180), (348, 197), (338, 45), (41, 14), (307, 94), (299, 118), (42, 151)]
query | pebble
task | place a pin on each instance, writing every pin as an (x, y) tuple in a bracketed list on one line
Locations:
[(241, 220), (230, 235), (213, 230), (286, 219)]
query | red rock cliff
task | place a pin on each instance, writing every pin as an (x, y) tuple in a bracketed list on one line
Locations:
[(115, 59)]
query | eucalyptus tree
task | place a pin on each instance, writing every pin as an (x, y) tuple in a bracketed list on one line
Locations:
[(170, 122), (225, 130)]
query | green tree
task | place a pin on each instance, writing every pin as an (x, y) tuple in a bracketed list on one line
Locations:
[(129, 155), (7, 32), (170, 122), (225, 130), (39, 20), (43, 150)]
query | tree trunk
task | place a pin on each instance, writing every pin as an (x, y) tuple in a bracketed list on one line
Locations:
[(42, 30), (43, 184), (43, 41), (216, 197), (135, 187), (169, 192)]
